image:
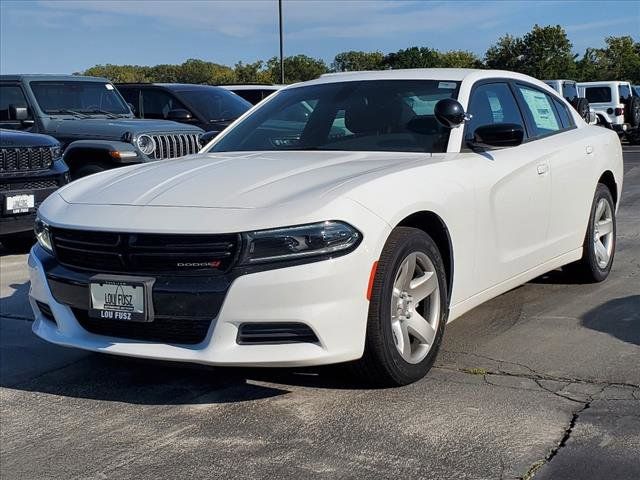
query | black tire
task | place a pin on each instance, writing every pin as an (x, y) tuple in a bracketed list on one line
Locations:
[(382, 365), (89, 169), (18, 242), (633, 137), (581, 106), (587, 269), (632, 112)]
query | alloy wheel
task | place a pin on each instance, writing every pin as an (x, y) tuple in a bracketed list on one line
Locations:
[(603, 233)]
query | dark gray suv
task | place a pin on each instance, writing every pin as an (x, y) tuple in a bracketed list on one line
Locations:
[(92, 122)]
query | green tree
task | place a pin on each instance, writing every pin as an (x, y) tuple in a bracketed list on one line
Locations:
[(199, 71), (414, 57), (506, 54), (120, 73), (297, 68), (353, 61), (619, 60), (255, 72), (458, 59)]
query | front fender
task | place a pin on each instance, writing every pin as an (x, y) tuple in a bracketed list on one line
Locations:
[(119, 152)]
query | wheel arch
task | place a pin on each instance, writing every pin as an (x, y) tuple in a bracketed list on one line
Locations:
[(433, 225), (608, 179), (77, 157)]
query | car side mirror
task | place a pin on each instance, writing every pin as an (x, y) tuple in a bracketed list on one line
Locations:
[(497, 135), (449, 113), (132, 108), (18, 113), (179, 115)]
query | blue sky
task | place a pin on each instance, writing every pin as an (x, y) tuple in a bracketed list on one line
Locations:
[(68, 36)]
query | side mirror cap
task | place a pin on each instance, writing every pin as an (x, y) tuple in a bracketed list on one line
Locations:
[(498, 135), (449, 113), (18, 113), (179, 115), (206, 137)]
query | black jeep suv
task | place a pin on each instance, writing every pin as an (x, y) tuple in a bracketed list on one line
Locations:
[(210, 108), (31, 168), (91, 120)]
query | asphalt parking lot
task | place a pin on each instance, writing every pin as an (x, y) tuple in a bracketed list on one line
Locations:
[(543, 381)]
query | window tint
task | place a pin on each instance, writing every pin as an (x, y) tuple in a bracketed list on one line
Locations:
[(132, 96), (215, 104), (10, 96), (625, 93), (157, 104), (598, 94), (563, 113), (253, 96), (375, 115), (492, 103), (539, 108), (569, 90)]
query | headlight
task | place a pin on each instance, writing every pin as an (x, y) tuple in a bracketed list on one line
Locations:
[(43, 235), (56, 152), (291, 243), (145, 144)]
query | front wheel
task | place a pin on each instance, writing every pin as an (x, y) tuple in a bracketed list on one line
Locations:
[(407, 310), (90, 169), (600, 241)]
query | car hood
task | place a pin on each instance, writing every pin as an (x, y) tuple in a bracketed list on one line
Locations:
[(237, 180), (104, 128)]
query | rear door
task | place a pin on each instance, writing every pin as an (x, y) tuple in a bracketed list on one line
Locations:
[(513, 191)]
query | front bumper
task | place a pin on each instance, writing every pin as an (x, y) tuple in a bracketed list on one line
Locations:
[(328, 296), (40, 184)]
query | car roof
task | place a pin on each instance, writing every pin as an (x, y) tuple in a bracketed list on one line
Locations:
[(444, 74), (254, 86), (171, 86), (603, 83), (53, 78)]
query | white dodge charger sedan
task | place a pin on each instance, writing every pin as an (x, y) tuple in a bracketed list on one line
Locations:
[(345, 219)]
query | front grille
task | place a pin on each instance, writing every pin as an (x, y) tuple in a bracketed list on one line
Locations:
[(30, 185), (174, 330), (108, 252), (25, 159), (175, 145), (270, 333)]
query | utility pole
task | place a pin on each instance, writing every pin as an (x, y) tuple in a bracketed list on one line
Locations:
[(281, 43)]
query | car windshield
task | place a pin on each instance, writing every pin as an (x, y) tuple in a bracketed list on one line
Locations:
[(216, 104), (375, 115), (598, 94), (569, 90), (97, 98)]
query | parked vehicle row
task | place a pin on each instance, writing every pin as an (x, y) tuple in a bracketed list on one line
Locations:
[(346, 219)]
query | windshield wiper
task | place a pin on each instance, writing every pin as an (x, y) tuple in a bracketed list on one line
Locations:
[(68, 112), (102, 112)]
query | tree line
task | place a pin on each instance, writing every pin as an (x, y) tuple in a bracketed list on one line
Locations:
[(545, 53)]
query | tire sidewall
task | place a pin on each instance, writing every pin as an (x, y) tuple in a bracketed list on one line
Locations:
[(599, 274), (380, 317)]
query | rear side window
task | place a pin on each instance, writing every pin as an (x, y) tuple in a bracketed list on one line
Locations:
[(598, 94), (569, 90), (625, 93), (132, 96), (492, 103), (157, 104), (540, 110), (563, 113)]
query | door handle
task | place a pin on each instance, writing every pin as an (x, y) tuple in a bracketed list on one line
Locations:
[(543, 168), (588, 149)]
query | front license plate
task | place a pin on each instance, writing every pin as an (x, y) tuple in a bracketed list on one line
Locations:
[(23, 203), (119, 299)]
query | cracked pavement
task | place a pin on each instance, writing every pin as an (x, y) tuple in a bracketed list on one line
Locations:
[(542, 382)]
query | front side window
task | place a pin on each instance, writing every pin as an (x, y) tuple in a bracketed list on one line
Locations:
[(216, 104), (598, 94), (540, 110), (78, 96), (132, 96), (492, 103), (374, 115), (11, 96), (157, 104)]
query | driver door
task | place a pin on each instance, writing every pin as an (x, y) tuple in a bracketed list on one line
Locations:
[(513, 192)]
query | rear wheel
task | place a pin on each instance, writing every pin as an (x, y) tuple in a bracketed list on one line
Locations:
[(582, 107), (407, 310), (632, 112), (600, 241)]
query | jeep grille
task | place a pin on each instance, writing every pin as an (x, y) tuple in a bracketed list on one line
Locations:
[(25, 158), (175, 145)]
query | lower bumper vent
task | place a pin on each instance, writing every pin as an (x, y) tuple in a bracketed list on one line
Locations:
[(273, 333), (45, 310)]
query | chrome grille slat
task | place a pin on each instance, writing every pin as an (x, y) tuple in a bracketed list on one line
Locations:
[(174, 145)]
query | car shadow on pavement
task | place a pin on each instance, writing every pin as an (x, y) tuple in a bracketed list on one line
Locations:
[(16, 305), (559, 276), (619, 318)]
